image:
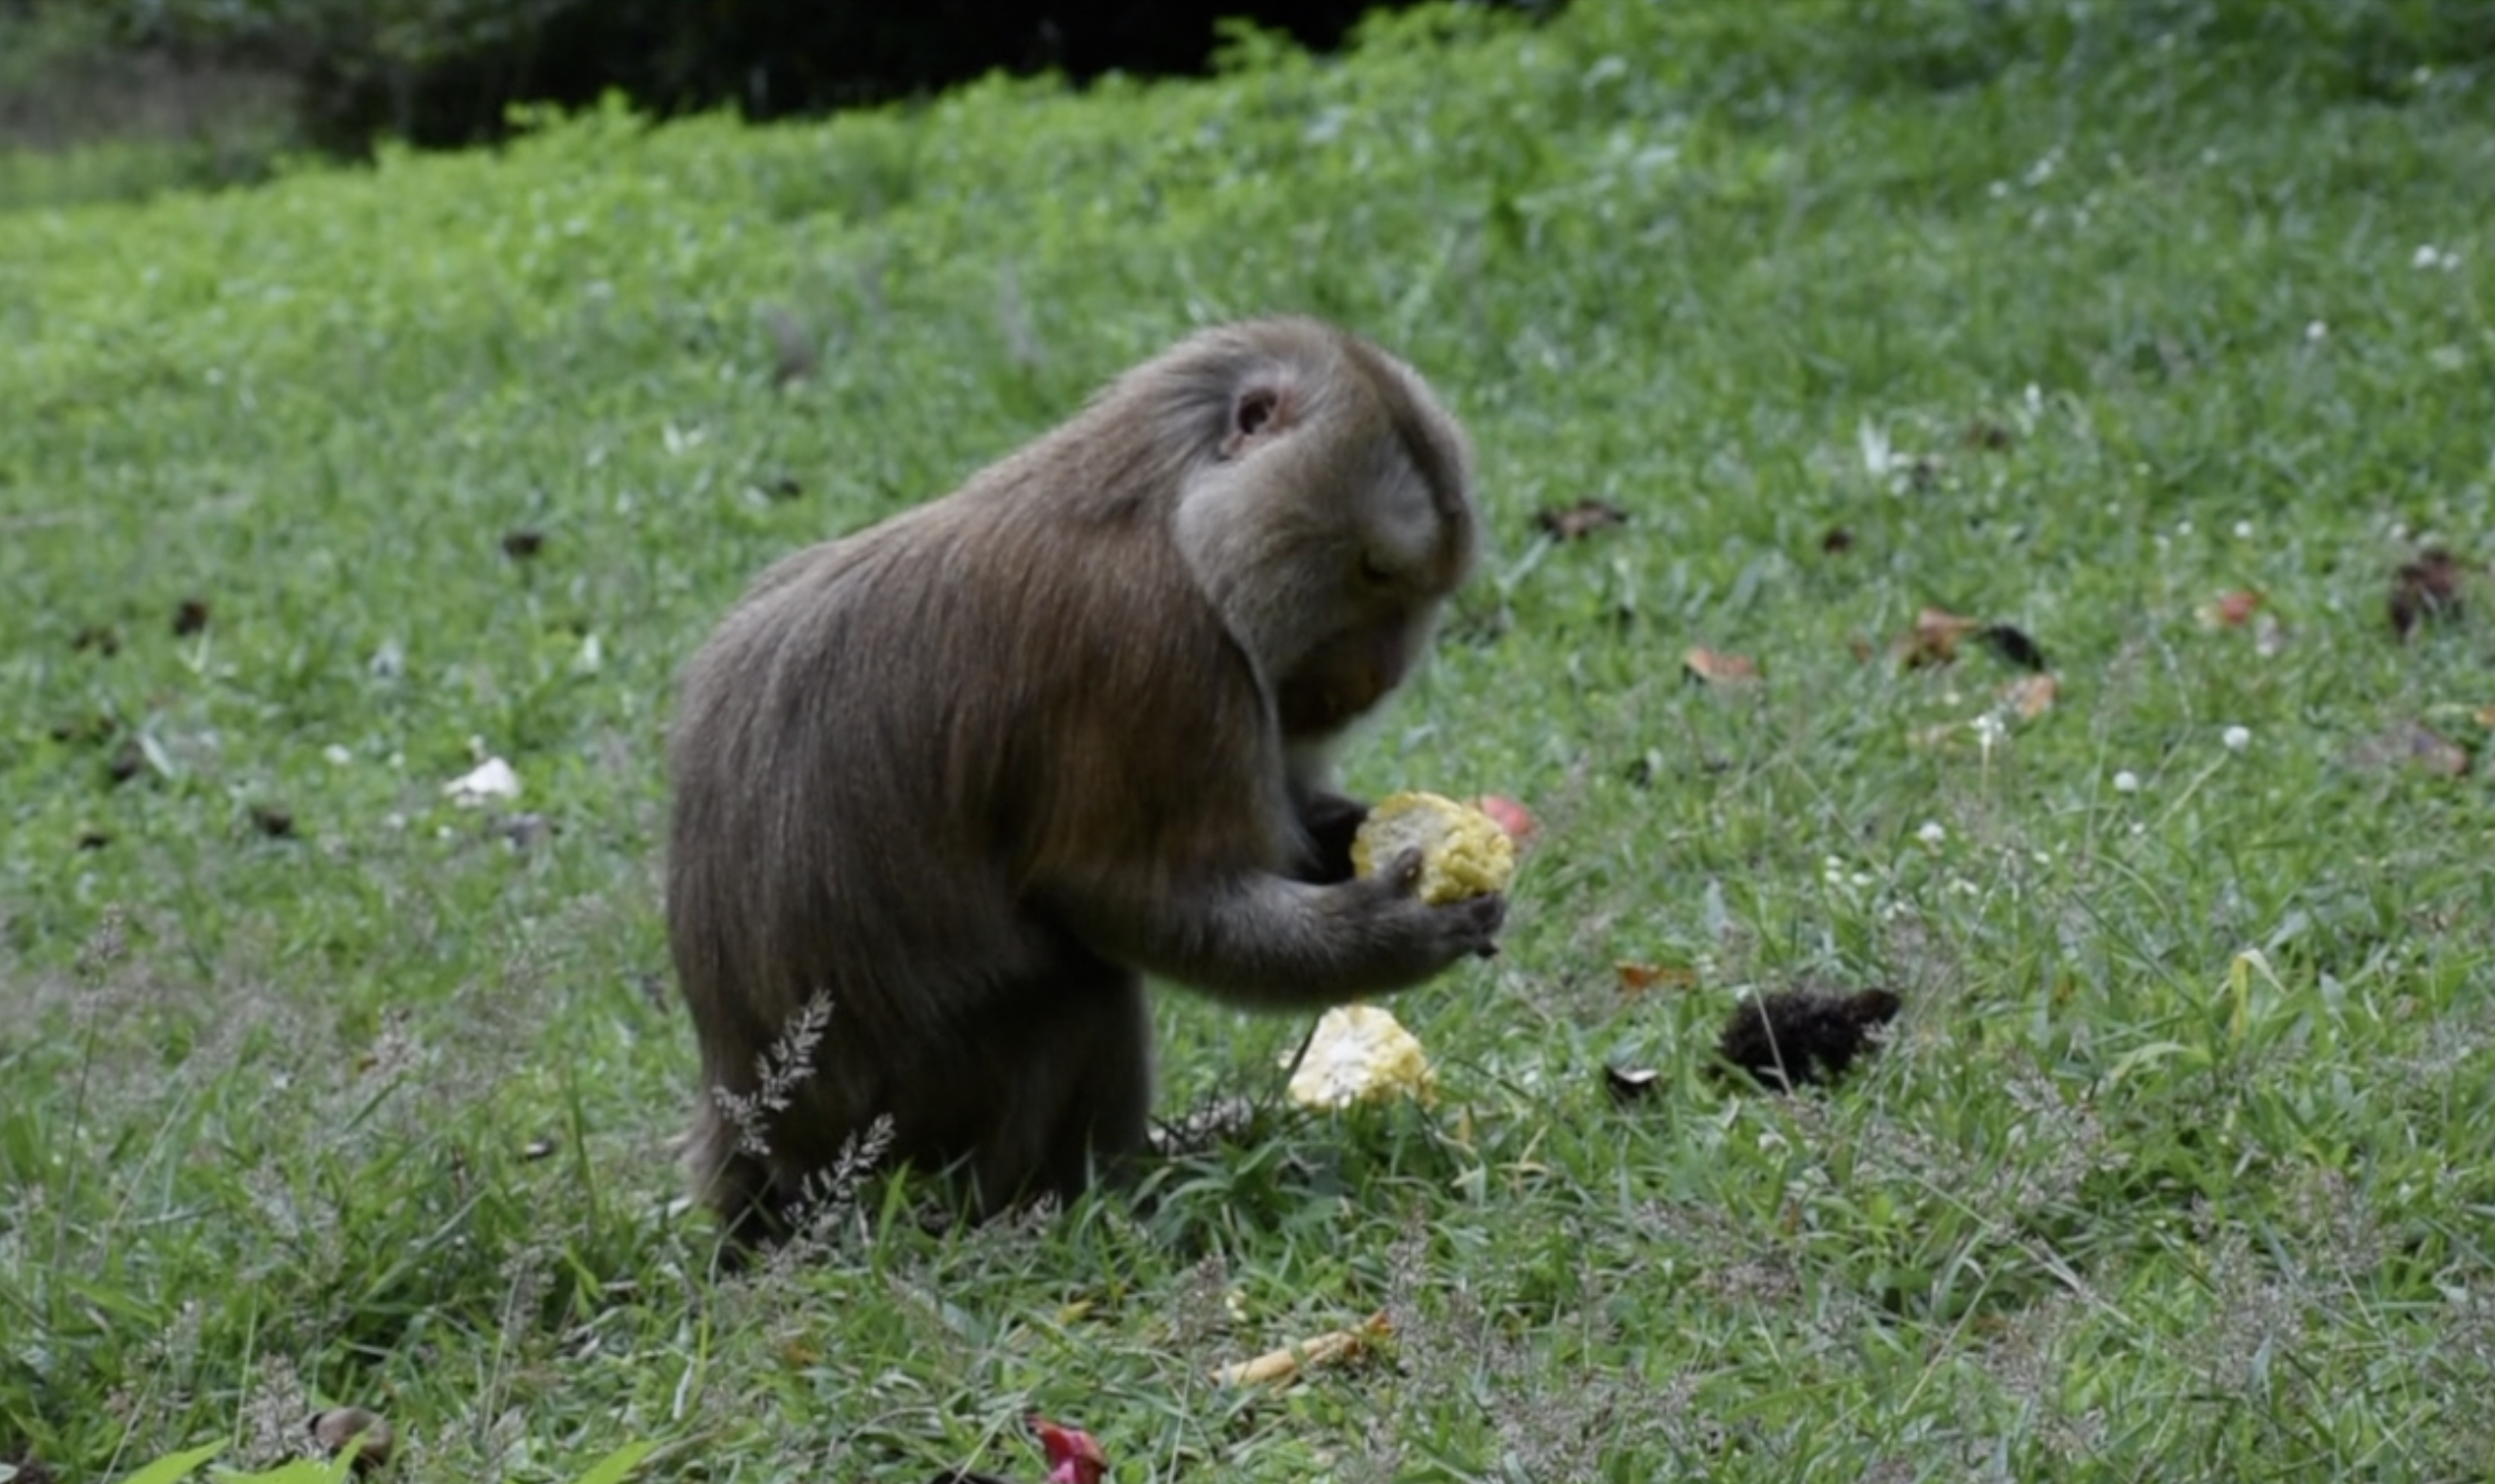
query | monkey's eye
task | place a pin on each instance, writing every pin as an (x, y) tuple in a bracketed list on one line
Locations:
[(1375, 574)]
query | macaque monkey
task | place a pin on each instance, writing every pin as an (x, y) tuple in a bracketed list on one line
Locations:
[(974, 771)]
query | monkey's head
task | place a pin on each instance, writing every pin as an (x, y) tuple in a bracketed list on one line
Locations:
[(1329, 512)]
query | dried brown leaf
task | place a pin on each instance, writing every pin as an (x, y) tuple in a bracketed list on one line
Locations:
[(2413, 745), (1718, 668), (2031, 696), (2229, 610), (1329, 1348), (1574, 523), (1934, 638), (1638, 978)]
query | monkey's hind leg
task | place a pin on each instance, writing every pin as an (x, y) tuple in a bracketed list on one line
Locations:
[(1080, 1109), (732, 1183)]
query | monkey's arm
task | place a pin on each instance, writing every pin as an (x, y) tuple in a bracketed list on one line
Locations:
[(1265, 941)]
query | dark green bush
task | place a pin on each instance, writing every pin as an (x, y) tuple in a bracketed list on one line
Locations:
[(445, 71)]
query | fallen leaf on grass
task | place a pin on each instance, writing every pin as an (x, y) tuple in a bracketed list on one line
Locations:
[(2411, 744), (190, 617), (1638, 978), (1329, 1348), (2229, 610), (1718, 668), (1838, 542), (271, 821), (521, 545), (2424, 589), (103, 638), (2030, 696), (1574, 523), (1074, 1456), (1933, 640)]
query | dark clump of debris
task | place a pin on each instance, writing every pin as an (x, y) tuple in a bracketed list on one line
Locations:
[(2012, 643), (2426, 590), (1798, 1036)]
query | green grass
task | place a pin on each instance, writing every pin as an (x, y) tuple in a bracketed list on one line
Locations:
[(2178, 1164)]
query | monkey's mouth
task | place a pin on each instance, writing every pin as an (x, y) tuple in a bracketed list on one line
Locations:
[(1338, 681)]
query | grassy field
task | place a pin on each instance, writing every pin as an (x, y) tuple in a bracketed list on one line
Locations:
[(324, 1089)]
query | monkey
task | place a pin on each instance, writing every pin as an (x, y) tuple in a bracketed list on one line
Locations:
[(976, 770)]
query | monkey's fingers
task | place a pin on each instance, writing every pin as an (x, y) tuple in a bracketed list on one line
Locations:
[(1483, 917), (1404, 872)]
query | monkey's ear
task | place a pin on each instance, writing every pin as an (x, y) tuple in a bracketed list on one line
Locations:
[(1261, 410)]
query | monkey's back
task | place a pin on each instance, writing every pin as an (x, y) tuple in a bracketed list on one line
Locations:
[(895, 744)]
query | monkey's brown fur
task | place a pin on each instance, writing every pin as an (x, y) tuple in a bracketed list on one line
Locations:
[(971, 772)]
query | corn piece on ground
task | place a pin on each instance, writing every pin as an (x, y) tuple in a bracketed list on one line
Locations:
[(1360, 1055)]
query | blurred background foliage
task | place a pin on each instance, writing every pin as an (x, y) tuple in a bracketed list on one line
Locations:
[(447, 73), (215, 91)]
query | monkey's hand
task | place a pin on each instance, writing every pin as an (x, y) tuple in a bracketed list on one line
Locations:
[(1331, 822), (1432, 933)]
